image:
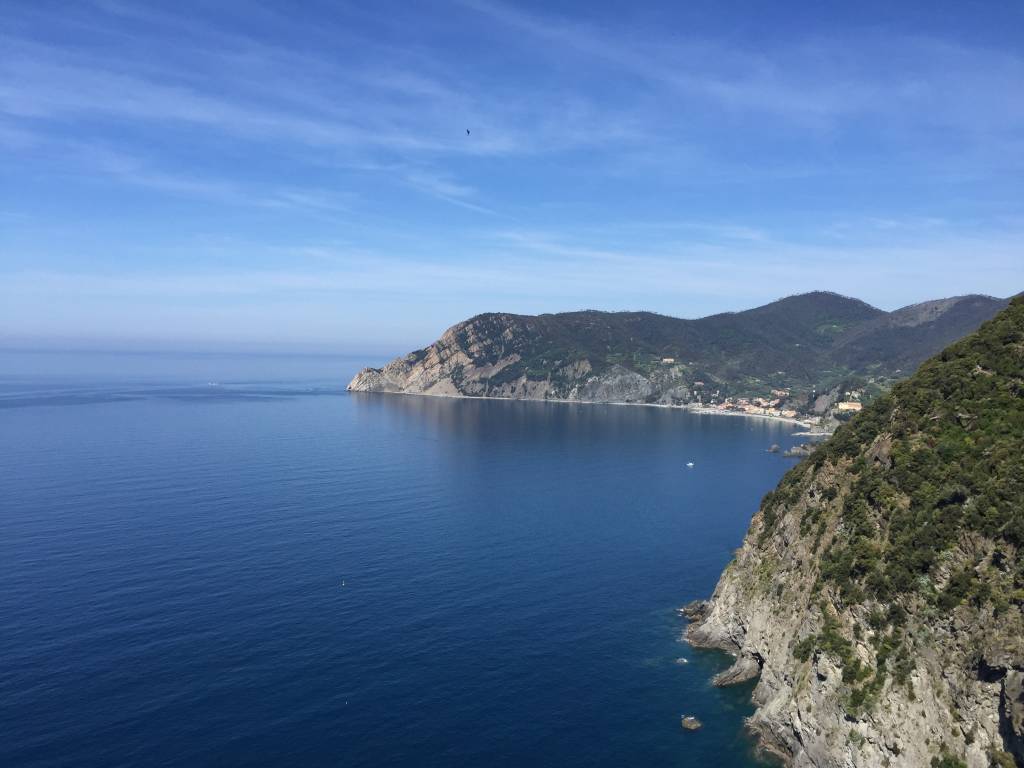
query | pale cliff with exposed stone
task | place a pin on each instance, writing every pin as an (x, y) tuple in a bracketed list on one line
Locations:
[(804, 344), (878, 596), (483, 357)]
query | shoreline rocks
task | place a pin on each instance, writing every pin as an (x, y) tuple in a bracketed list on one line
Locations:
[(695, 610), (798, 451)]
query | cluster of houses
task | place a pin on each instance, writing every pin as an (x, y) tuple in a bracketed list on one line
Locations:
[(754, 406), (774, 405), (852, 404)]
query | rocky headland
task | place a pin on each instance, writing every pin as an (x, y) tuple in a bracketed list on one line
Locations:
[(877, 597), (796, 358)]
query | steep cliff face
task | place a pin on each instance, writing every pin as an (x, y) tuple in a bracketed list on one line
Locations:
[(804, 343), (514, 356), (878, 593)]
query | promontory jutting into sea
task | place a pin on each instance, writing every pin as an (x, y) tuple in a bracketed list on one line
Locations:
[(877, 598), (505, 383), (815, 358), (512, 571)]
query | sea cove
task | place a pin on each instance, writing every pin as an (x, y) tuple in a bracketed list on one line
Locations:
[(277, 572)]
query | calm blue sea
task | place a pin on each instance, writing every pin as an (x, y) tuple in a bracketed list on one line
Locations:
[(222, 560)]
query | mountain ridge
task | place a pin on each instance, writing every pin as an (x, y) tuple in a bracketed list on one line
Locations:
[(806, 344)]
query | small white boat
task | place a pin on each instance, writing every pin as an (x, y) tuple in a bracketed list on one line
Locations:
[(689, 464)]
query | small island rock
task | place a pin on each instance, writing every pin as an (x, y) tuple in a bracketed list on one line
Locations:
[(690, 723)]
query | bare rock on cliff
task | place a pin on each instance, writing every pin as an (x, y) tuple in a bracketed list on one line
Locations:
[(880, 588), (633, 357)]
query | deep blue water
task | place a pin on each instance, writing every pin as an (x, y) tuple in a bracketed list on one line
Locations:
[(173, 554)]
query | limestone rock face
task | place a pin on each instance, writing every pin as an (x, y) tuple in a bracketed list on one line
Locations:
[(858, 668), (632, 357), (958, 697), (690, 723), (484, 357)]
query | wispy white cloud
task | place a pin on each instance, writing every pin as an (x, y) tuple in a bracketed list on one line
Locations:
[(322, 114), (633, 166), (445, 188), (279, 95), (832, 79), (99, 162), (526, 271)]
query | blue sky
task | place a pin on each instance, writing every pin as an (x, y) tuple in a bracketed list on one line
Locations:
[(298, 175)]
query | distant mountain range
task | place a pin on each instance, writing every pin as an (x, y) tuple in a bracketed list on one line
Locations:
[(808, 344)]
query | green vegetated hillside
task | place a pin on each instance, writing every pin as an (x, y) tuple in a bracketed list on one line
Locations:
[(882, 583), (783, 343), (952, 462), (805, 343)]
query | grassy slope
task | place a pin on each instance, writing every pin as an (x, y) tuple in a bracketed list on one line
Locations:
[(808, 341), (784, 340)]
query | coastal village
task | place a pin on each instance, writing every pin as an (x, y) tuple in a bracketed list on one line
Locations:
[(823, 411), (776, 405)]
